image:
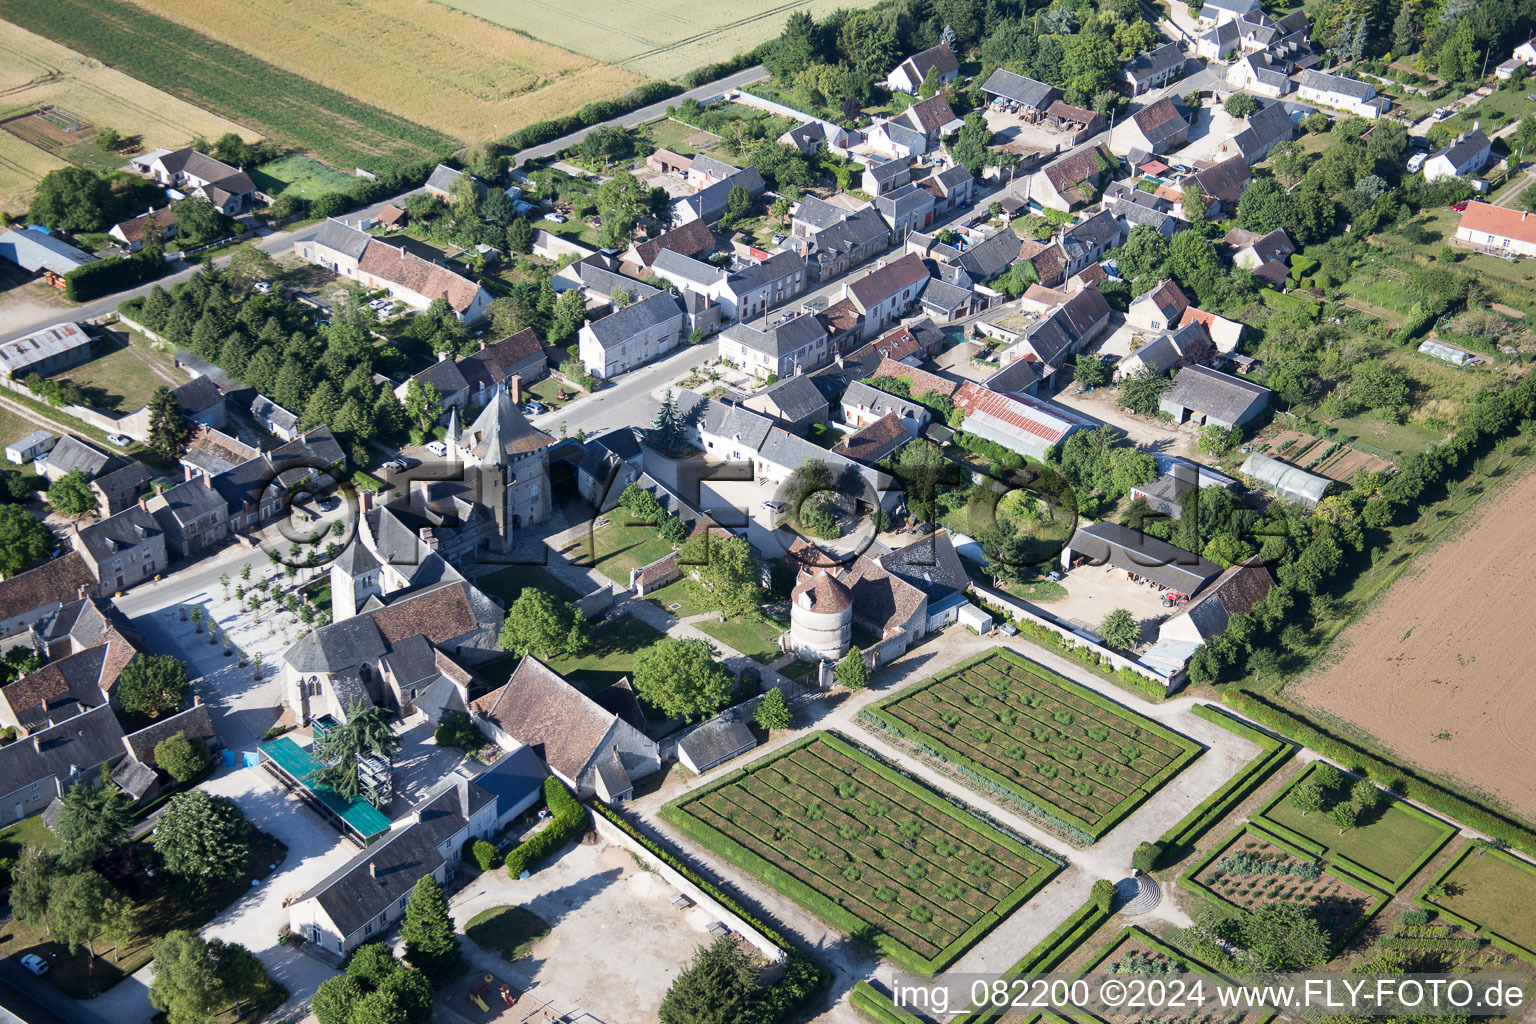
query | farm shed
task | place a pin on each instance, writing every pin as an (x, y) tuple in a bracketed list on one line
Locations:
[(1451, 354), (714, 743), (1285, 479), (1140, 555), (1208, 396)]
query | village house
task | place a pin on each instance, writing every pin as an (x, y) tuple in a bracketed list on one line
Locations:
[(229, 189), (863, 405), (123, 550), (909, 75), (1342, 93), (1170, 349), (156, 224), (1224, 333), (881, 177), (905, 210), (1160, 127), (693, 239), (1497, 229), (1222, 185), (886, 292), (1250, 250), (356, 255), (442, 180), (1263, 130), (517, 361), (798, 345), (712, 199), (796, 403), (1159, 309), (1152, 69), (1073, 179), (631, 336), (1086, 242), (833, 239), (1467, 155)]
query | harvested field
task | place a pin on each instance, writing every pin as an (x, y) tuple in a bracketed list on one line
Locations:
[(423, 61), (330, 124), (865, 848), (37, 72), (653, 39), (1438, 670)]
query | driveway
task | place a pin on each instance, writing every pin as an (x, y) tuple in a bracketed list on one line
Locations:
[(314, 851), (1150, 434)]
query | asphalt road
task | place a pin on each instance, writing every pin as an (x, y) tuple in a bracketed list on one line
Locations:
[(632, 401)]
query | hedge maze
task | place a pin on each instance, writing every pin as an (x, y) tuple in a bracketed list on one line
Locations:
[(865, 848), (1038, 739)]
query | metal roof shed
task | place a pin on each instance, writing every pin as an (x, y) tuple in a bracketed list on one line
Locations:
[(1285, 479)]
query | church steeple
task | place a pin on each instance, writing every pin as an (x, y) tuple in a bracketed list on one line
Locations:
[(453, 433)]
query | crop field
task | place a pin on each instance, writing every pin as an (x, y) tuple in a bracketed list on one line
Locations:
[(163, 55), (1334, 460), (425, 62), (37, 72), (1392, 840), (1491, 891), (865, 848), (1039, 739), (1254, 869), (653, 39), (1438, 669)]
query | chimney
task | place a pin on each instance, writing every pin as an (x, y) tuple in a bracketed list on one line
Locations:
[(37, 743), (516, 383), (364, 501), (208, 480), (373, 869), (196, 700), (143, 504)]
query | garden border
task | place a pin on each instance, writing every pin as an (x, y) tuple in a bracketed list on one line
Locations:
[(1508, 945), (675, 813)]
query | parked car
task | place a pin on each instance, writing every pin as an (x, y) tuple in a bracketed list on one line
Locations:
[(438, 448), (1055, 576), (774, 506), (554, 217), (36, 964), (1416, 161), (1459, 207), (394, 466), (123, 440), (262, 287)]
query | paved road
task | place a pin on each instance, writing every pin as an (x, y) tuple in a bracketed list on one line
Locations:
[(632, 401)]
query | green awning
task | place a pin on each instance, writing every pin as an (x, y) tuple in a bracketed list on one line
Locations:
[(297, 763)]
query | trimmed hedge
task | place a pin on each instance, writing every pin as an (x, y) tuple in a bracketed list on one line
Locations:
[(484, 854), (1384, 773), (570, 819), (876, 1006), (677, 815), (113, 274), (1048, 952), (1181, 838), (1459, 945)]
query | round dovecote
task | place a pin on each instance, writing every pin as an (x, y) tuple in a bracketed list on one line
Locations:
[(821, 616)]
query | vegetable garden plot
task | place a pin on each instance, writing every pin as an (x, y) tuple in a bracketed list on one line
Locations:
[(864, 847), (1040, 738)]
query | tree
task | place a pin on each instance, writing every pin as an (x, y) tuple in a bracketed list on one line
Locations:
[(720, 986), (167, 430), (430, 945), (1306, 797), (423, 405), (569, 314), (851, 671), (541, 624), (456, 729), (1343, 815), (1240, 104), (195, 980), (181, 757), (1092, 371), (32, 885), (198, 220), (92, 821), (109, 140), (247, 265), (202, 838), (23, 540), (667, 425), (1363, 795), (152, 685), (1140, 391), (1219, 441), (520, 235), (728, 576), (682, 677), (365, 733), (71, 494), (80, 905), (1284, 937), (1120, 630), (333, 1001), (71, 199), (773, 711)]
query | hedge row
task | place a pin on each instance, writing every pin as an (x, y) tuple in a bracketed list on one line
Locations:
[(876, 1006), (570, 819), (593, 113), (1459, 945), (1272, 753), (113, 274), (1048, 952), (1384, 773)]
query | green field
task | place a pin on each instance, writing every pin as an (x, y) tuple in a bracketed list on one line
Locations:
[(334, 127), (124, 374), (1074, 759), (1496, 891), (300, 176), (609, 657), (865, 848), (1392, 840), (615, 549), (755, 637)]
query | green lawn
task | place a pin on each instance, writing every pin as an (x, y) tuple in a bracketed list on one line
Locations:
[(615, 549), (301, 176), (669, 133), (511, 931), (609, 657), (1402, 438), (547, 391), (1389, 841), (124, 374), (504, 585), (15, 839), (679, 593), (755, 636), (1495, 891)]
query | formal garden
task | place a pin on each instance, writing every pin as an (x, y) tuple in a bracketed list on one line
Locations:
[(1254, 870), (1385, 841), (1491, 893), (1076, 760), (865, 848), (1134, 953)]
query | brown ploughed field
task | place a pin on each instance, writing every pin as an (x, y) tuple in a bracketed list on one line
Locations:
[(1439, 669)]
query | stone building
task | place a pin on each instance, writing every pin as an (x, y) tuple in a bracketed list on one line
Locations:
[(820, 617)]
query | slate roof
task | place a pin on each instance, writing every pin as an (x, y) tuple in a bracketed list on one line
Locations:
[(734, 422), (886, 281), (1146, 556), (885, 171), (939, 58), (538, 707), (930, 564), (197, 395), (1465, 148), (342, 237), (72, 453), (943, 297), (818, 213), (1235, 592), (860, 394), (1150, 63), (115, 534), (621, 325), (1338, 85), (703, 163), (1024, 91), (796, 397), (124, 483), (686, 267), (444, 177), (264, 409), (1169, 299), (764, 272), (194, 721), (513, 778), (502, 427), (1217, 395), (1087, 238), (990, 256), (80, 743), (689, 240), (716, 741)]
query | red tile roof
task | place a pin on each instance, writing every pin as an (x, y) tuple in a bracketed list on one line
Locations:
[(1497, 220), (439, 615), (407, 270), (61, 580), (875, 441), (689, 240), (972, 398), (820, 593), (539, 708)]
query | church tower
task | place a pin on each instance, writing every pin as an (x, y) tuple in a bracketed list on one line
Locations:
[(354, 579)]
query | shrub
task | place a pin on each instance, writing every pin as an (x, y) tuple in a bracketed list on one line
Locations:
[(570, 818), (1146, 856), (1103, 896), (484, 854)]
